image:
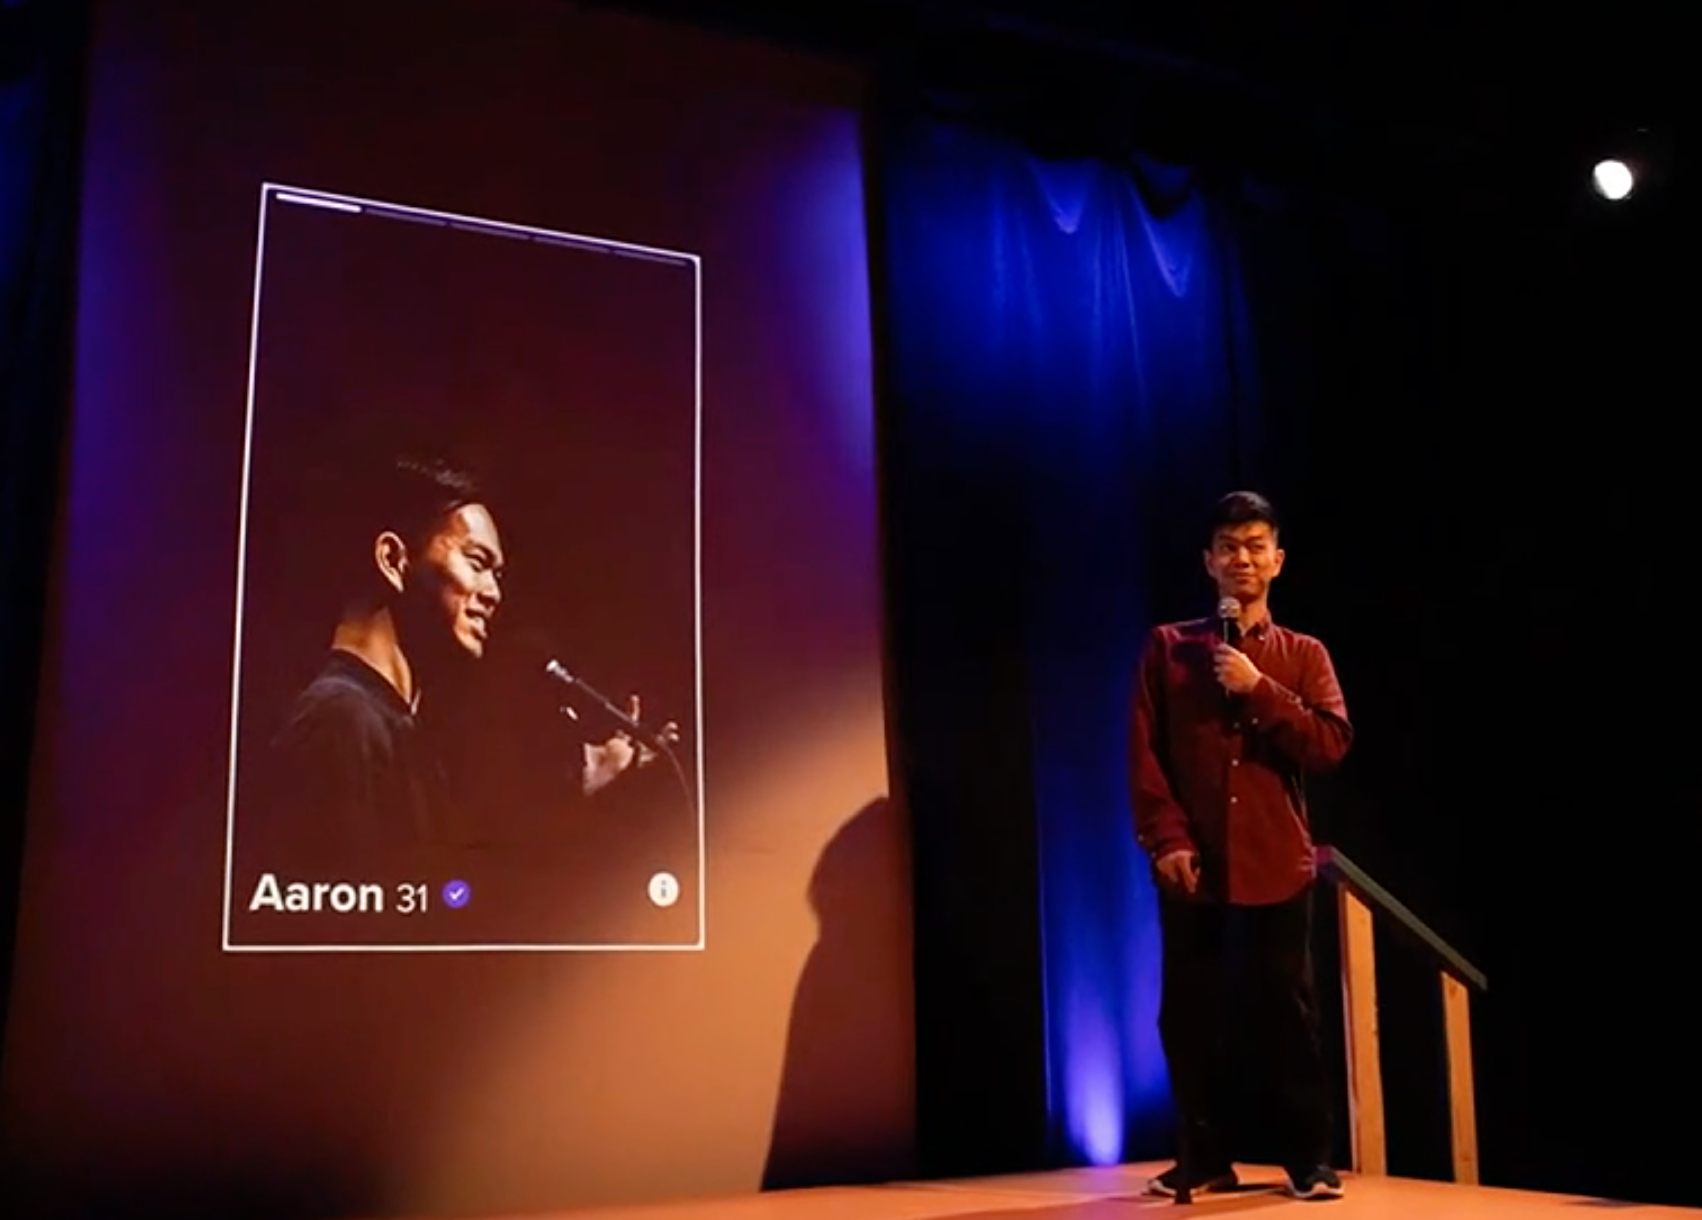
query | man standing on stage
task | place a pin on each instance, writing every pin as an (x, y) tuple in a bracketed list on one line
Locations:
[(1231, 714)]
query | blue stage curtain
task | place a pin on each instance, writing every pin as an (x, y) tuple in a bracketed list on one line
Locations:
[(41, 46), (1070, 382)]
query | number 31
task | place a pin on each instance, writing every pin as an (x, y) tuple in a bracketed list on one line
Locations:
[(411, 899)]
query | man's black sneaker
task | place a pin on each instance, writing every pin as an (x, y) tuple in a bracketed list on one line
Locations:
[(1166, 1184), (1318, 1182)]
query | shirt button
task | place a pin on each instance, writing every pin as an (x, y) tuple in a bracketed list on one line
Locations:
[(1235, 762), (1234, 799)]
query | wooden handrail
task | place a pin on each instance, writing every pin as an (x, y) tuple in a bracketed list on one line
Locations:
[(1357, 896), (1336, 867)]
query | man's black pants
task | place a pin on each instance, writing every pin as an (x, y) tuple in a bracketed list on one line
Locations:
[(1280, 1015)]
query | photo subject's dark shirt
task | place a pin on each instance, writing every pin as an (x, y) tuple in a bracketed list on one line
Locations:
[(1225, 775), (351, 791)]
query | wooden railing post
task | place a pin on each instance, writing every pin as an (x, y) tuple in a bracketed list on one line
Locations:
[(1364, 1051), (1357, 894), (1462, 1098)]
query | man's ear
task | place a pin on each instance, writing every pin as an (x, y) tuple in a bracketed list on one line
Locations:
[(1276, 568), (390, 555)]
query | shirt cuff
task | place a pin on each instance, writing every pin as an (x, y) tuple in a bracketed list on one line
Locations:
[(1167, 842)]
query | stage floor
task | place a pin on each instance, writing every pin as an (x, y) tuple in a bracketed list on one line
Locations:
[(1113, 1194)]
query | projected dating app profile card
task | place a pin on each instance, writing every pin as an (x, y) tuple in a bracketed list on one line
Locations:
[(466, 695)]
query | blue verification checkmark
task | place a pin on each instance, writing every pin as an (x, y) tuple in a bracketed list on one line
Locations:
[(457, 894)]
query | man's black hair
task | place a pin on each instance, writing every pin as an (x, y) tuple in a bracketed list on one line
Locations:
[(418, 493), (411, 495), (1242, 508)]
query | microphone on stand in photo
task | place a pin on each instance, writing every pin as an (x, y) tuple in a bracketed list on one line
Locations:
[(656, 740), (660, 742)]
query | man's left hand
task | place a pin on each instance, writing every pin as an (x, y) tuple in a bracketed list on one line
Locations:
[(1235, 671), (607, 762)]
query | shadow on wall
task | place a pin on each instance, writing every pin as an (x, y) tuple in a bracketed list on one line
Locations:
[(846, 1110)]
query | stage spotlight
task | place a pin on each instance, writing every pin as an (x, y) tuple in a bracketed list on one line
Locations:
[(1613, 180)]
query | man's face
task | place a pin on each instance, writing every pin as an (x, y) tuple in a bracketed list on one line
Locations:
[(1243, 560), (456, 579)]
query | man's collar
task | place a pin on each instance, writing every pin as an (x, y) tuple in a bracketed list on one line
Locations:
[(361, 671), (1258, 630)]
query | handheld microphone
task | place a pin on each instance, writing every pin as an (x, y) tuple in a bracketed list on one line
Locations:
[(1229, 620), (560, 673), (1229, 626)]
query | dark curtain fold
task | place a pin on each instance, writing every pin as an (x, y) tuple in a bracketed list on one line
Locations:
[(1072, 379), (41, 52)]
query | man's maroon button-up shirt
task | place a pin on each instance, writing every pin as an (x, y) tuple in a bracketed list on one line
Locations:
[(1226, 775)]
